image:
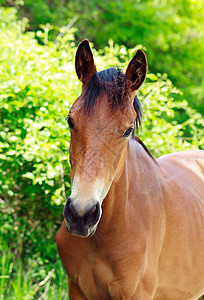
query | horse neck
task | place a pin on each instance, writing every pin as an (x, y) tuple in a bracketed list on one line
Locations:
[(138, 180)]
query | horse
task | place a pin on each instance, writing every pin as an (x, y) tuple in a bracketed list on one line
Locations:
[(133, 225)]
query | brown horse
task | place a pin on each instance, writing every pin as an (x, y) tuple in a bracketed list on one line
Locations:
[(133, 226)]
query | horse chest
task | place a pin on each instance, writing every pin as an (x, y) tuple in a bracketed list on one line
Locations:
[(101, 278), (92, 275)]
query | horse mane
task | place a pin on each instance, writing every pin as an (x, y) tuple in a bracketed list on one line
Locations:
[(145, 148), (114, 82)]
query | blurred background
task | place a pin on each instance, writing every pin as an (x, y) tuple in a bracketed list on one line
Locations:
[(38, 41)]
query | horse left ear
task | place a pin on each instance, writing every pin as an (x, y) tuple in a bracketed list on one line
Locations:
[(84, 62), (136, 70)]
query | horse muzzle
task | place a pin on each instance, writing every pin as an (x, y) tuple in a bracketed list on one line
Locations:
[(78, 224)]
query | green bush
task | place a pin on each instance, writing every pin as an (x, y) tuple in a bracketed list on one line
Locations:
[(37, 87)]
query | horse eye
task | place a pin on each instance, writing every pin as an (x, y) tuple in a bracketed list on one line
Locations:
[(70, 123), (128, 132)]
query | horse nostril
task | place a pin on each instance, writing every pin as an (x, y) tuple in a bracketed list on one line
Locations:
[(92, 216), (69, 212)]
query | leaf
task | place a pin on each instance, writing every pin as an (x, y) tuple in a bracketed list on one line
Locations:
[(29, 175)]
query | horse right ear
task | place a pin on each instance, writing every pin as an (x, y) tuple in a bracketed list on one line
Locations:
[(84, 62), (136, 70)]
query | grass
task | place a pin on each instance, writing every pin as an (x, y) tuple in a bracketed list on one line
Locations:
[(20, 281)]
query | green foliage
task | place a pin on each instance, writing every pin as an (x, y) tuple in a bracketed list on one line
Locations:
[(37, 87), (169, 124), (172, 32)]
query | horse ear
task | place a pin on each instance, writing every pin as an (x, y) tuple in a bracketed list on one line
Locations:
[(84, 62), (136, 70)]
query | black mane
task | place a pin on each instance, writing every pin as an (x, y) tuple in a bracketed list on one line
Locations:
[(113, 81)]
